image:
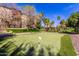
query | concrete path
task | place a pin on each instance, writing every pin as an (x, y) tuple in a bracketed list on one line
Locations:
[(75, 42)]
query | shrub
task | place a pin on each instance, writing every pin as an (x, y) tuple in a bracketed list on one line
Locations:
[(68, 30), (77, 30), (18, 30)]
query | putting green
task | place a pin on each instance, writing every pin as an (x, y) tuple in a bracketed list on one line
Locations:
[(45, 39)]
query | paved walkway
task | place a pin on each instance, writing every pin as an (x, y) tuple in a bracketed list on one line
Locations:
[(75, 42)]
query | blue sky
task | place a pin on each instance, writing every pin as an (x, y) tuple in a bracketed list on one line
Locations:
[(52, 10)]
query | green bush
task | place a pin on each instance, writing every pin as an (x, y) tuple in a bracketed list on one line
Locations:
[(77, 30), (68, 30), (18, 30), (66, 47)]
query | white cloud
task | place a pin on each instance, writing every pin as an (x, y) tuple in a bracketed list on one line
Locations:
[(11, 5), (72, 8)]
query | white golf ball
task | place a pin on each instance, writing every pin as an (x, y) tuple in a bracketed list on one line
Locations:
[(40, 37)]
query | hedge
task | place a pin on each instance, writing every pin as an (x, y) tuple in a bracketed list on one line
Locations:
[(18, 30)]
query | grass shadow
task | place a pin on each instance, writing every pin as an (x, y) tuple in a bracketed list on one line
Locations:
[(30, 51), (6, 36)]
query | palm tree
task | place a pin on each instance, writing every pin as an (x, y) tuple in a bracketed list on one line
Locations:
[(58, 17), (47, 23), (51, 24), (42, 16), (58, 27), (63, 24)]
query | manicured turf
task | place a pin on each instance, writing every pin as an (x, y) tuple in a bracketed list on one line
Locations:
[(66, 46), (38, 43), (45, 39)]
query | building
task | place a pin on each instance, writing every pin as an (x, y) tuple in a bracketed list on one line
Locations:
[(13, 18), (10, 17)]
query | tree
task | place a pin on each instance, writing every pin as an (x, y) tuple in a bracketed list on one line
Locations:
[(58, 17), (42, 16), (58, 27), (63, 24), (38, 25), (47, 23), (73, 20), (29, 10), (31, 13), (51, 24), (37, 21)]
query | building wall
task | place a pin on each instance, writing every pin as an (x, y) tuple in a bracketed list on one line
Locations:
[(25, 21), (12, 18)]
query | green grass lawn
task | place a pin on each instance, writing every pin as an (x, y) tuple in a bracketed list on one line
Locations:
[(66, 47), (34, 43)]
